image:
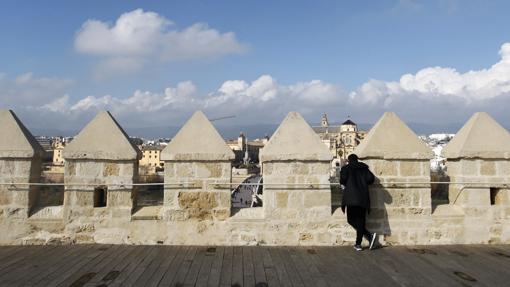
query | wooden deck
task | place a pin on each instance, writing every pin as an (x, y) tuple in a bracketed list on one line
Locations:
[(114, 265)]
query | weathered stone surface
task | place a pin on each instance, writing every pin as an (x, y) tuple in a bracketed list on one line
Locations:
[(488, 168), (294, 140), (102, 139), (480, 137), (198, 204), (189, 144), (15, 140), (410, 168), (281, 199), (111, 169), (391, 138)]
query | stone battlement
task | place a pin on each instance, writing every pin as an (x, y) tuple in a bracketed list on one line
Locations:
[(101, 172)]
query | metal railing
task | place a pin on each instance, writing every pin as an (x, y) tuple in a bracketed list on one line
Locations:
[(506, 184)]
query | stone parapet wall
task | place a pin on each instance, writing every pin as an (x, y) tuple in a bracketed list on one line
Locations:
[(201, 190), (297, 207)]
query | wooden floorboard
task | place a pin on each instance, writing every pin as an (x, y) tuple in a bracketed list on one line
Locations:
[(216, 267), (117, 265), (281, 272), (226, 267), (171, 272), (269, 268), (72, 262)]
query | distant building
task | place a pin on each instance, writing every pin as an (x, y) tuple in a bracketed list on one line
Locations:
[(58, 147), (151, 158), (340, 139), (246, 151)]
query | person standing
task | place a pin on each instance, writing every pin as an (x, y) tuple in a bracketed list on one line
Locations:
[(356, 177)]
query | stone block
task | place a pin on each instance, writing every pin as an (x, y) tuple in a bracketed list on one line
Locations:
[(119, 198), (208, 169), (410, 168), (305, 237), (317, 199), (224, 199), (110, 169), (7, 167), (221, 214), (503, 168), (282, 199), (184, 169), (469, 167), (199, 205), (69, 168), (5, 196), (320, 168), (300, 168), (296, 199), (384, 167), (488, 168), (170, 170), (89, 169), (128, 169)]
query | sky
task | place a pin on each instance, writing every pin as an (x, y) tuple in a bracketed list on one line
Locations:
[(153, 63)]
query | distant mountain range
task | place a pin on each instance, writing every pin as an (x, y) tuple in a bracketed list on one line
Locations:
[(252, 131)]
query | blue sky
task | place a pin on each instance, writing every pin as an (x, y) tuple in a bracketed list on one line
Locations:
[(260, 60)]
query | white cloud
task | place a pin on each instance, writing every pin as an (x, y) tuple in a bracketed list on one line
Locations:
[(134, 33), (434, 94), (440, 83), (138, 37), (29, 90)]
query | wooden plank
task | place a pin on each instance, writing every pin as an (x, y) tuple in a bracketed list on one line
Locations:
[(19, 270), (105, 268), (482, 268), (78, 258), (30, 264), (171, 272), (180, 277), (35, 268), (169, 254), (205, 269), (365, 265), (448, 265), (147, 275), (75, 273), (22, 254), (196, 264), (340, 265), (283, 277), (307, 262), (258, 266), (237, 266), (10, 252), (248, 271), (269, 268), (136, 272), (227, 267), (131, 262), (216, 267), (422, 264), (302, 271), (141, 255), (400, 272)]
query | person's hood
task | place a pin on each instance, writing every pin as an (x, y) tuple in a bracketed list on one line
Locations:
[(357, 165)]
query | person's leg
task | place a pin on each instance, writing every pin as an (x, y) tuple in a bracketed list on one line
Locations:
[(363, 219), (355, 220)]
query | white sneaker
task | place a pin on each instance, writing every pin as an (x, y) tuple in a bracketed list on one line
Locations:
[(358, 248), (372, 241)]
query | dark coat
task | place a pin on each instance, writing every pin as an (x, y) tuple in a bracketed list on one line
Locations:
[(356, 177)]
